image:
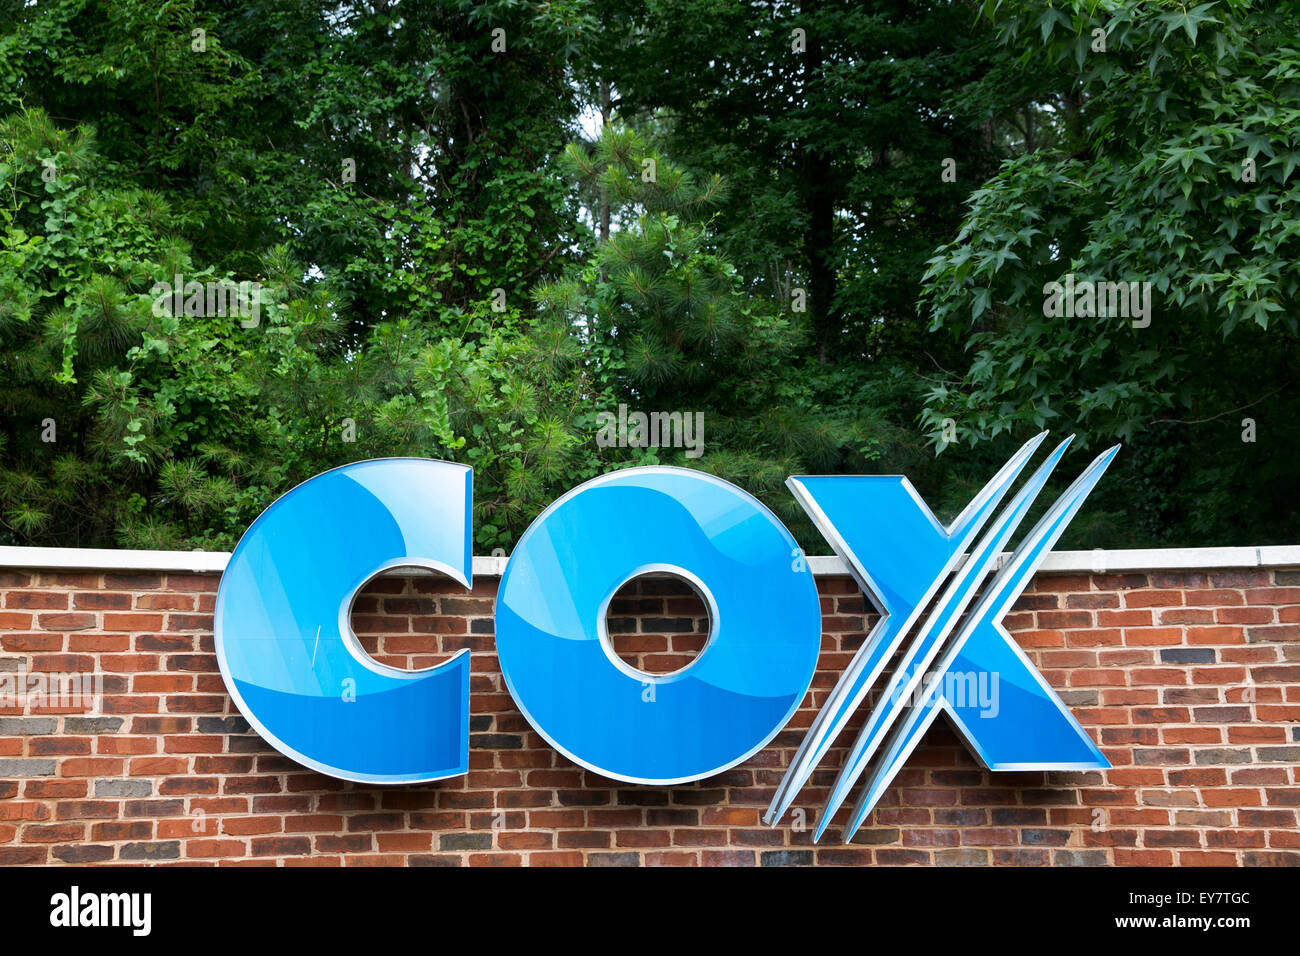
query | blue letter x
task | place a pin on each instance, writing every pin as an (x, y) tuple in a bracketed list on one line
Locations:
[(901, 556)]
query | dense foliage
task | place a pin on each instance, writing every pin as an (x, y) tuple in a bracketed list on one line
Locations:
[(469, 230), (1175, 165)]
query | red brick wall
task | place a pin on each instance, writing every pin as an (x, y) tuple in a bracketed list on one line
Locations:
[(1190, 683)]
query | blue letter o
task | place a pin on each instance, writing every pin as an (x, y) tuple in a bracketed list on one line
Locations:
[(624, 724)]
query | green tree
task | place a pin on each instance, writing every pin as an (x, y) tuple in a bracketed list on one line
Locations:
[(130, 422), (833, 122), (1176, 166), (667, 324)]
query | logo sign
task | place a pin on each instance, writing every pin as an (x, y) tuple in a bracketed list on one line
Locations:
[(297, 672)]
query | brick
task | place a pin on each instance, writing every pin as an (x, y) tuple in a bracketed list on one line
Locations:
[(465, 841), (101, 601), (1151, 598), (965, 856), (55, 833), (1079, 858), (215, 848), (25, 726), (119, 830), (30, 643), (82, 853), (786, 858), (282, 846), (1187, 655), (37, 600), (27, 768), (92, 725), (65, 622), (161, 850), (132, 622), (1220, 755), (1289, 755)]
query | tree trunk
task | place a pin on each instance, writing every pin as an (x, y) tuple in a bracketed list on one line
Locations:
[(819, 203)]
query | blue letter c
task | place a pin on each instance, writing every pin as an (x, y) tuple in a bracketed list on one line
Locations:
[(284, 640)]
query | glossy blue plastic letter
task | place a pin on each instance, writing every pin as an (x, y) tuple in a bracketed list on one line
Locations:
[(626, 724), (284, 639)]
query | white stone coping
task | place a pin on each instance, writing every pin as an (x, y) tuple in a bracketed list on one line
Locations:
[(1098, 562)]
